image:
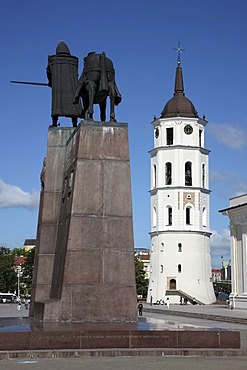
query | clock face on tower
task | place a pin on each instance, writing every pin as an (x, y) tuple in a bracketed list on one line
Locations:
[(188, 129)]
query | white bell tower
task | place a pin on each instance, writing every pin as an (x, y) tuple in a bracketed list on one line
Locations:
[(180, 262)]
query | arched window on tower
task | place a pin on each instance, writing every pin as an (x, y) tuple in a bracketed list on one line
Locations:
[(188, 174), (154, 176), (200, 138), (169, 215), (168, 173), (179, 247), (154, 217), (188, 215), (204, 217), (169, 136), (203, 175), (179, 268)]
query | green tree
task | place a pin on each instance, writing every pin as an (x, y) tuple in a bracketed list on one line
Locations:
[(19, 252), (27, 272), (7, 273), (141, 281)]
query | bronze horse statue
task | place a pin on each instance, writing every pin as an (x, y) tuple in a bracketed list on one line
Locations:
[(96, 83)]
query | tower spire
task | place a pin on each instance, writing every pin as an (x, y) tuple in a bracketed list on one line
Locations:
[(179, 84), (179, 105)]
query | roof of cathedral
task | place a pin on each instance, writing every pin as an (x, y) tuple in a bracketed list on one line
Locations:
[(179, 105)]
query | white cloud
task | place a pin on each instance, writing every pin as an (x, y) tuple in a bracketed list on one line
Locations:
[(231, 187), (231, 135), (12, 196), (220, 243), (240, 188), (216, 176)]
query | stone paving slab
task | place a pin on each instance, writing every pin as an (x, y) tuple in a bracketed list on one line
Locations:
[(214, 309), (126, 363), (207, 314)]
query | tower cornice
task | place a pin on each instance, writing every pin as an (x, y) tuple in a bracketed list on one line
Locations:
[(160, 121), (154, 151), (187, 188), (159, 232)]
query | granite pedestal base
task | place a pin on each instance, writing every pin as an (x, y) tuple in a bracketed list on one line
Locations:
[(84, 265), (105, 339)]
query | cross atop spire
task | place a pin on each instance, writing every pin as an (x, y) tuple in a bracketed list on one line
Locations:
[(179, 49)]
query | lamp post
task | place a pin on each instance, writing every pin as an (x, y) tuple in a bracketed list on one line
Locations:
[(18, 271)]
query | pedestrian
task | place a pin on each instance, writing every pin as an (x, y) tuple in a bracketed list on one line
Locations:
[(140, 308), (151, 301), (26, 304), (168, 303), (19, 305)]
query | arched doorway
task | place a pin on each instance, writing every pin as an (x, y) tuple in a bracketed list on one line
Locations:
[(172, 284)]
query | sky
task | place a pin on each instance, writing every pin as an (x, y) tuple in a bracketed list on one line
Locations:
[(139, 36)]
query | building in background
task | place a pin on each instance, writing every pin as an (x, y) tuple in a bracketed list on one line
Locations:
[(144, 256), (29, 244), (226, 270), (216, 275), (180, 261), (237, 213)]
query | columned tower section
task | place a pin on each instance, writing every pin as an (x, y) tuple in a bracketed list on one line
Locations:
[(180, 204)]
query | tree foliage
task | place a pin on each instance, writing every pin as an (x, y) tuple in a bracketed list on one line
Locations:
[(222, 286), (141, 281), (28, 271), (8, 272)]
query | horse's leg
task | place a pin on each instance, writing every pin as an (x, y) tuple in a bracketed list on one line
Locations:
[(112, 102), (112, 109), (91, 92), (74, 121), (85, 105), (102, 111)]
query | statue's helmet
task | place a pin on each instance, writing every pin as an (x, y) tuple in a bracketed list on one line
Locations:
[(62, 48)]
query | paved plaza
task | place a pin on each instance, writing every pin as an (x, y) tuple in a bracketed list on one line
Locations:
[(213, 317), (128, 363)]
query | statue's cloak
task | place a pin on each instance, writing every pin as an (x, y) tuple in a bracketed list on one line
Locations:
[(62, 73)]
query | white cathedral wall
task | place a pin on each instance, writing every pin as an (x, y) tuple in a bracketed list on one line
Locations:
[(178, 123), (195, 276), (175, 199), (181, 156), (238, 227)]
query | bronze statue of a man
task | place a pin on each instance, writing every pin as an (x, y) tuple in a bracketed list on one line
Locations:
[(62, 74)]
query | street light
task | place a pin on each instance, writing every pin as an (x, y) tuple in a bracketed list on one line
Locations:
[(18, 271)]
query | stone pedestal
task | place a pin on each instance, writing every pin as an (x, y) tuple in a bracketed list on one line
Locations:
[(84, 264)]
